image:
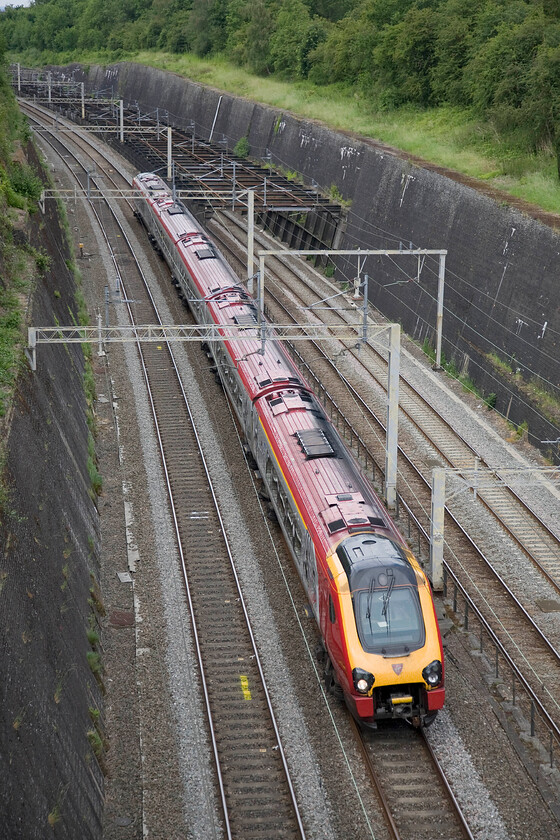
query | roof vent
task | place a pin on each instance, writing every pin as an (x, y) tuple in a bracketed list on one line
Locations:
[(205, 254), (314, 443), (245, 319)]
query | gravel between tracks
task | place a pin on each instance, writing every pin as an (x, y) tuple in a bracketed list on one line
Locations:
[(157, 760)]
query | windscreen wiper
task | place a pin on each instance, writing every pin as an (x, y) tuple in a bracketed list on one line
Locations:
[(369, 601), (387, 595)]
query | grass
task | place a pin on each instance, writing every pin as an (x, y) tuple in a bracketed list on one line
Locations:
[(11, 325), (446, 136), (537, 391)]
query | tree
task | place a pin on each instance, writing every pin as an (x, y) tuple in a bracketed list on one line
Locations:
[(498, 73), (288, 38), (542, 107), (208, 26), (453, 49), (405, 57)]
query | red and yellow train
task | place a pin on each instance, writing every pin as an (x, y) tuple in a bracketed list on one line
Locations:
[(373, 604)]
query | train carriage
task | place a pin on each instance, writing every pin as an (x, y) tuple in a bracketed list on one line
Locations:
[(381, 644)]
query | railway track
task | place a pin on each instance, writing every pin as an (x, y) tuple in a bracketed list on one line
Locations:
[(248, 801), (252, 776), (413, 791), (506, 606)]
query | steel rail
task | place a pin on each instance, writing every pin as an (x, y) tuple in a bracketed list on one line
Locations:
[(179, 541)]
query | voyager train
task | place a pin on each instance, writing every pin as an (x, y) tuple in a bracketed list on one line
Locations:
[(373, 604)]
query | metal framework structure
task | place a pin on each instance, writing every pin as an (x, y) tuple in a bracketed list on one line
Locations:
[(418, 252), (295, 333), (186, 332), (391, 446), (475, 478)]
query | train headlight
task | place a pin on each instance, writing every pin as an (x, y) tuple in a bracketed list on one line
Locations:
[(363, 680), (433, 673)]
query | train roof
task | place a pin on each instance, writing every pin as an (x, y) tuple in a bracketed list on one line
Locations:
[(368, 558), (332, 495), (261, 369)]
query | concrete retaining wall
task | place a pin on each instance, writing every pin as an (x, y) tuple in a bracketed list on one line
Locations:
[(51, 782)]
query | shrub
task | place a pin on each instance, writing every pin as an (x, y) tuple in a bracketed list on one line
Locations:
[(242, 148)]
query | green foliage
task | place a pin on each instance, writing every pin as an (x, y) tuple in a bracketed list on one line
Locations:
[(94, 475), (94, 714), (93, 637), (25, 182), (43, 262), (96, 742), (522, 430), (11, 341), (242, 148), (500, 58), (94, 662)]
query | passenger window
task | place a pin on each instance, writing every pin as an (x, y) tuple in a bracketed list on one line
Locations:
[(332, 614)]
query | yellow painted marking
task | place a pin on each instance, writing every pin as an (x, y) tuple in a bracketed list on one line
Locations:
[(245, 687), (159, 347)]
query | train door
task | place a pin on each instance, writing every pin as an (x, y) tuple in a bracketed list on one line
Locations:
[(308, 571)]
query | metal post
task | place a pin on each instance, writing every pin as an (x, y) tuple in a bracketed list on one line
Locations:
[(439, 319), (264, 192), (49, 80), (364, 328), (215, 118), (106, 306), (260, 286), (169, 152), (100, 351), (19, 77), (392, 416), (121, 120), (83, 102), (250, 239), (436, 530), (31, 349), (233, 196)]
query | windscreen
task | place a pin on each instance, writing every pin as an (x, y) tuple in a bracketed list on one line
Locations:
[(389, 619)]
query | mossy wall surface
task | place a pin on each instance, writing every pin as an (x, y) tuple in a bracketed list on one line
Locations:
[(51, 783)]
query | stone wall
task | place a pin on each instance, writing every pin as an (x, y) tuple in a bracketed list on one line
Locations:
[(51, 782)]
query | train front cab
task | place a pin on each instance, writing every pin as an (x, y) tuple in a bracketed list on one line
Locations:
[(381, 633)]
